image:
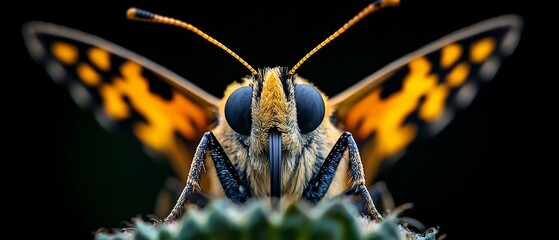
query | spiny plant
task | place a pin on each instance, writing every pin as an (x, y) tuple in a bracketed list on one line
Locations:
[(221, 219)]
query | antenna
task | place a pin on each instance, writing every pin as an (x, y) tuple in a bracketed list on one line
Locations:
[(145, 16), (379, 4)]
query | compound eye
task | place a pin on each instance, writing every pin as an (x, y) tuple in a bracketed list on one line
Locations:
[(238, 110), (310, 107)]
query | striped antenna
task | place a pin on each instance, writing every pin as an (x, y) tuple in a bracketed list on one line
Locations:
[(379, 4), (145, 16)]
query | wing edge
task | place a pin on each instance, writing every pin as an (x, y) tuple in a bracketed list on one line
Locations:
[(31, 28), (515, 21)]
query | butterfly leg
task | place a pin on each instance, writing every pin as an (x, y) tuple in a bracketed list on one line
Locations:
[(234, 185), (319, 184), (379, 193)]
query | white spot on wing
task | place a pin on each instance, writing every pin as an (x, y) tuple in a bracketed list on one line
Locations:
[(466, 94), (105, 121), (394, 158), (489, 68), (35, 49), (438, 125), (55, 71), (510, 41), (153, 154), (79, 94)]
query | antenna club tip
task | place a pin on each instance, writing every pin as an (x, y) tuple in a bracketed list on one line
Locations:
[(135, 13), (131, 13), (391, 2)]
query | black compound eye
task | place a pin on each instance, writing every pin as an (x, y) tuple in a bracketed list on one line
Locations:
[(310, 107), (238, 111)]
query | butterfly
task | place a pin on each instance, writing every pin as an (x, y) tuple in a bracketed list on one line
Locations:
[(410, 99)]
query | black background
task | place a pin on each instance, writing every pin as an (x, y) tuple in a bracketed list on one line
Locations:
[(83, 178)]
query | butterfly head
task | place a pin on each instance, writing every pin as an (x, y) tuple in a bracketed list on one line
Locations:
[(274, 100)]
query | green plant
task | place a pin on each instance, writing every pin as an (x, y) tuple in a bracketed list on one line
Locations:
[(221, 219)]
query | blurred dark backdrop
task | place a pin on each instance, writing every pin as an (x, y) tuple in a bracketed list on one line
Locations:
[(462, 181)]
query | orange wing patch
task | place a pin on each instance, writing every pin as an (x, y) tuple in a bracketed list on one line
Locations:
[(482, 49), (65, 53), (88, 75), (100, 58), (129, 92), (424, 91), (450, 54), (458, 75)]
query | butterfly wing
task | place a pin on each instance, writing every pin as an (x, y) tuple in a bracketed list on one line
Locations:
[(416, 96), (164, 111)]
